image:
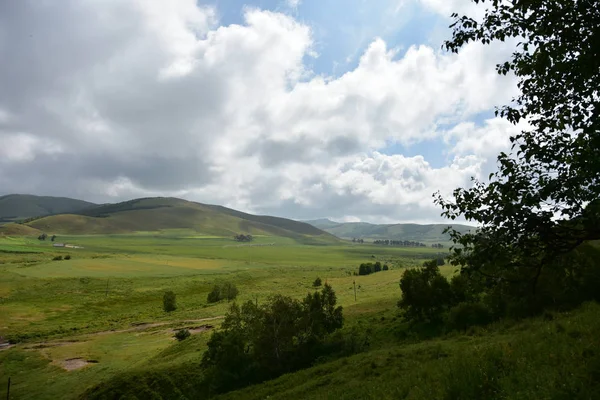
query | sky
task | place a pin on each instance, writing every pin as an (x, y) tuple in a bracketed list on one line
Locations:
[(349, 110)]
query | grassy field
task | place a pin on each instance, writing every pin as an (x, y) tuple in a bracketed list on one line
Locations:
[(105, 303)]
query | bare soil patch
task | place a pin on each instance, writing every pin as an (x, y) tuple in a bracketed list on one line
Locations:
[(72, 364)]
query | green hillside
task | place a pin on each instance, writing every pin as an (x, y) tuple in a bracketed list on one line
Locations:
[(160, 214), (20, 206), (554, 357), (417, 232)]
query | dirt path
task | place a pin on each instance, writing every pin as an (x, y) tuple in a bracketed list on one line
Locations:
[(136, 328)]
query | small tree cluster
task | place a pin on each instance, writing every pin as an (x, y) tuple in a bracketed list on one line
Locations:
[(355, 240), (370, 268), (43, 236), (403, 243), (425, 292), (243, 238), (437, 246), (169, 301), (227, 291), (260, 342)]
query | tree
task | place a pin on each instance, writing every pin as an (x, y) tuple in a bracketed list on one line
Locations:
[(169, 301), (43, 236), (53, 238), (544, 199), (365, 269), (385, 267), (214, 295), (377, 267), (229, 291), (425, 292), (259, 342), (317, 282)]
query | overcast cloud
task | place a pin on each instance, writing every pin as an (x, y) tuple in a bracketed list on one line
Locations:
[(108, 100)]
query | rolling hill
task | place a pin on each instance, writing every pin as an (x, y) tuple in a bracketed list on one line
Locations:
[(163, 214), (14, 207), (432, 233)]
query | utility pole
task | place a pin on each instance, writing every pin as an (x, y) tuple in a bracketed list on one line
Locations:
[(354, 282)]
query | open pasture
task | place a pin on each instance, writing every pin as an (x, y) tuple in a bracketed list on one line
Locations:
[(104, 304)]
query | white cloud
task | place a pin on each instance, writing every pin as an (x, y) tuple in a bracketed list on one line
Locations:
[(130, 98)]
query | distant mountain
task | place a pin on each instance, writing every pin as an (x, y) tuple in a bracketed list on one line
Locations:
[(431, 233), (160, 214), (15, 207)]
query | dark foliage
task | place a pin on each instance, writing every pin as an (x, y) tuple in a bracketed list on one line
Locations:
[(542, 203), (426, 294), (169, 301), (243, 238), (226, 291), (317, 282), (260, 342), (182, 334)]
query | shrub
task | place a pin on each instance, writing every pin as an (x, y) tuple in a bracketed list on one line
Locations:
[(57, 258), (385, 267), (465, 315), (182, 334), (317, 282), (68, 257), (169, 301)]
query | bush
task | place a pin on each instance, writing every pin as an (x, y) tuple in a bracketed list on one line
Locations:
[(465, 315), (385, 267), (68, 257), (169, 301), (317, 282), (182, 334), (57, 258)]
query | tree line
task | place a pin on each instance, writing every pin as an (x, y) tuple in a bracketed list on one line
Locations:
[(403, 243), (243, 238)]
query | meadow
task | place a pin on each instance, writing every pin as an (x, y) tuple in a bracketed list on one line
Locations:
[(103, 306)]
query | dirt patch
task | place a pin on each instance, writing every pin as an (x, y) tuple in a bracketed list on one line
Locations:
[(72, 364)]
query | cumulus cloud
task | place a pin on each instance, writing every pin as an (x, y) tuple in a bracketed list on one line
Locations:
[(109, 100)]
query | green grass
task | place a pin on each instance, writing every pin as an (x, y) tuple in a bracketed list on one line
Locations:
[(90, 306), (537, 359), (116, 281)]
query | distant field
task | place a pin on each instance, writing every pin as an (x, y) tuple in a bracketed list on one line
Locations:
[(88, 307)]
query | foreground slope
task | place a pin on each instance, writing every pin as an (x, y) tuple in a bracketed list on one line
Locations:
[(20, 206), (417, 232), (159, 214), (553, 357)]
